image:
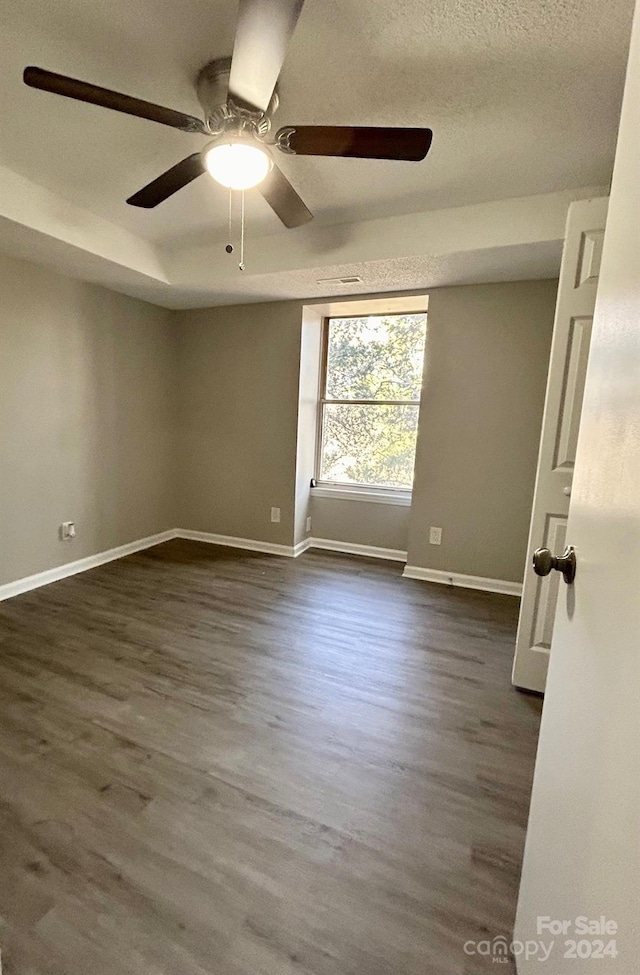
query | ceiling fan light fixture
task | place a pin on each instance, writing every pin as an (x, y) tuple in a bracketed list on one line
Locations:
[(237, 163)]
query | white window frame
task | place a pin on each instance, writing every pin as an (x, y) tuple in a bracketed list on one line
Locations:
[(347, 490)]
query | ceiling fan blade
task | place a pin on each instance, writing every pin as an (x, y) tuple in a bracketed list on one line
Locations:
[(263, 32), (361, 142), (169, 183), (82, 91), (283, 199)]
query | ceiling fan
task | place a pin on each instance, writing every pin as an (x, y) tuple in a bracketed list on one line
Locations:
[(239, 97)]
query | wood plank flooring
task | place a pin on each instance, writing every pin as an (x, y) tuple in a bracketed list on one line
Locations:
[(216, 762)]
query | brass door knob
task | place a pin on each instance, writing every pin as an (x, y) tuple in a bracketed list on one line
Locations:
[(544, 561)]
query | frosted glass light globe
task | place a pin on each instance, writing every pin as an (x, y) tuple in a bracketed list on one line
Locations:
[(237, 165)]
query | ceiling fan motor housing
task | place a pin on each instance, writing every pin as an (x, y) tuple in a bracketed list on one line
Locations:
[(221, 112)]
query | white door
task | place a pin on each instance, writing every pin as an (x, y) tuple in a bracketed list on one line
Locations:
[(563, 404), (582, 855)]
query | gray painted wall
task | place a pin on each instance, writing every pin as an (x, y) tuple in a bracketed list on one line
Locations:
[(237, 381), (130, 420), (87, 419), (361, 522), (486, 365)]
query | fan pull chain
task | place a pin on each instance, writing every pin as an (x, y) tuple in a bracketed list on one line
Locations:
[(241, 265), (229, 247)]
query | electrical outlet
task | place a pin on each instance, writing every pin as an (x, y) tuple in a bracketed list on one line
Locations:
[(308, 524), (435, 536), (67, 531), (275, 514)]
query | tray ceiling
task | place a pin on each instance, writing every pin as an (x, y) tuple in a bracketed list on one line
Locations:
[(523, 100)]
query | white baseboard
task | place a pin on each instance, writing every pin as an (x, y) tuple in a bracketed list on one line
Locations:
[(463, 581), (351, 548), (231, 541), (10, 589), (293, 551)]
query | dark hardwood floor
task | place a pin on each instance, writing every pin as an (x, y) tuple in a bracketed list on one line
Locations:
[(216, 762)]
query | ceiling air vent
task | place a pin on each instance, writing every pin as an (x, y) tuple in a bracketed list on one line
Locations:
[(354, 279)]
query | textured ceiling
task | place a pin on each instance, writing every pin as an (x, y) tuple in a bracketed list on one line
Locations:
[(523, 98)]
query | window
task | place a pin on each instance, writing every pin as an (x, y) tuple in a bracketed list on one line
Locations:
[(369, 401)]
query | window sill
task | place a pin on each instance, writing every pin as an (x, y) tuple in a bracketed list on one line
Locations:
[(401, 498)]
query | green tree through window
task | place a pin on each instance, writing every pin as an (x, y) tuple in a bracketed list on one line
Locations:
[(371, 398)]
